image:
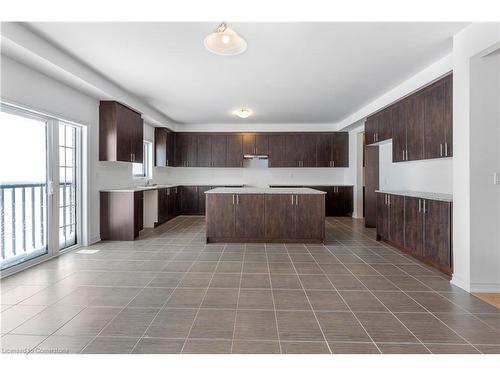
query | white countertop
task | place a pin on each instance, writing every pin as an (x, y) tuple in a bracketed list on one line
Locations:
[(263, 190), (319, 185), (419, 194), (156, 187)]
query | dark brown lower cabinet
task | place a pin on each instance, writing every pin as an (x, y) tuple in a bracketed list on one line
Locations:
[(249, 216), (341, 202), (201, 198), (265, 218), (420, 227), (280, 218), (414, 230), (188, 200), (437, 234), (121, 215)]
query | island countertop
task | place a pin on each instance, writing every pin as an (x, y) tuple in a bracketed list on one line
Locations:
[(263, 190)]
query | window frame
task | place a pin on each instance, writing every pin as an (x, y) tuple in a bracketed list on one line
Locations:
[(147, 158)]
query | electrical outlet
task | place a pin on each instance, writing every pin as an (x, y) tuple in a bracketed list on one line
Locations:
[(496, 178)]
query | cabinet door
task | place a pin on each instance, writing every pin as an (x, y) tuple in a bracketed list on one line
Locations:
[(276, 151), (234, 150), (434, 134), (414, 113), (437, 233), (180, 153), (201, 198), (340, 149), (261, 144), (170, 156), (204, 151), (342, 201), (249, 214), (176, 198), (280, 216), (220, 215), (328, 197), (191, 149), (385, 125), (292, 150), (448, 115), (307, 149), (138, 212), (189, 200), (382, 216), (309, 216), (414, 230), (249, 144), (371, 128), (138, 137), (399, 122), (397, 219), (162, 206), (219, 150), (124, 133), (323, 150), (160, 150)]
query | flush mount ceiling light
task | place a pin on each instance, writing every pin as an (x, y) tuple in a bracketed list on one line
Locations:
[(224, 41), (243, 112)]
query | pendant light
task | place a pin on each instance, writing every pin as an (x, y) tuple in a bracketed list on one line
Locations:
[(225, 41)]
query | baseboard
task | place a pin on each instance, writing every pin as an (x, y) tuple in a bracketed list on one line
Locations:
[(485, 288), (94, 240), (455, 280)]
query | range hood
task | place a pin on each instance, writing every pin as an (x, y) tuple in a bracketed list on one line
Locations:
[(255, 156)]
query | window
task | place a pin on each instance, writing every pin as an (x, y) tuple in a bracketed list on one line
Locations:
[(143, 170)]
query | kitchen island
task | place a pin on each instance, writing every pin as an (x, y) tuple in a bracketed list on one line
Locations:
[(283, 215)]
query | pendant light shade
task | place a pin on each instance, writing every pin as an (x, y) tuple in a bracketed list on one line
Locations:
[(225, 41)]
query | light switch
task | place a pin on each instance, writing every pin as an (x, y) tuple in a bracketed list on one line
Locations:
[(496, 178)]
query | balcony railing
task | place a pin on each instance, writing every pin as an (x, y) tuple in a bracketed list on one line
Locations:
[(23, 219)]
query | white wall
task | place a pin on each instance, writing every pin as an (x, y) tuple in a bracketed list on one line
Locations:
[(435, 176), (466, 44), (28, 88)]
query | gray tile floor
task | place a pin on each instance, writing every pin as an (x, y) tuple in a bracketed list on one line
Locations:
[(169, 292)]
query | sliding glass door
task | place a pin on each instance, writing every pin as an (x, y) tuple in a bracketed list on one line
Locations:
[(37, 154), (23, 188)]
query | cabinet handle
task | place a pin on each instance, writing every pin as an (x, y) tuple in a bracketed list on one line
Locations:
[(333, 163), (403, 154), (446, 149), (233, 199), (419, 205), (167, 163), (237, 199), (440, 149), (424, 206), (297, 200)]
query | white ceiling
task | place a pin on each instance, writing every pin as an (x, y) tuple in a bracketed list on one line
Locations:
[(290, 73)]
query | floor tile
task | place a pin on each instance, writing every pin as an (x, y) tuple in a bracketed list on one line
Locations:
[(149, 345), (16, 315), (220, 299), (489, 349), (172, 323), (384, 327), (315, 282), (280, 281), (291, 300), (186, 298), (298, 326), (89, 322), (428, 329), (281, 268), (207, 347), (224, 280), (62, 345), (130, 322), (48, 321), (20, 344), (110, 345), (304, 347), (434, 302), (326, 300), (362, 301), (252, 281), (470, 303), (261, 299), (471, 329), (353, 348), (346, 282), (401, 348), (151, 297), (229, 267), (213, 324), (255, 347), (255, 325), (341, 326), (377, 283), (452, 349), (398, 302)]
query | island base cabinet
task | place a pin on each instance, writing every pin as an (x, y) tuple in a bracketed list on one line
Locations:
[(264, 218), (248, 216), (309, 216), (280, 216)]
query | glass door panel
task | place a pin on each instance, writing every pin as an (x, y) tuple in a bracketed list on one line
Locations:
[(23, 188)]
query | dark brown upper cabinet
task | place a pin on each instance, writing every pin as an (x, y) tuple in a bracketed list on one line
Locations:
[(164, 148), (378, 127), (186, 150), (219, 150), (438, 122), (332, 149), (255, 144), (292, 153), (408, 129), (371, 126), (276, 154), (307, 150), (120, 133), (204, 151), (234, 155)]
